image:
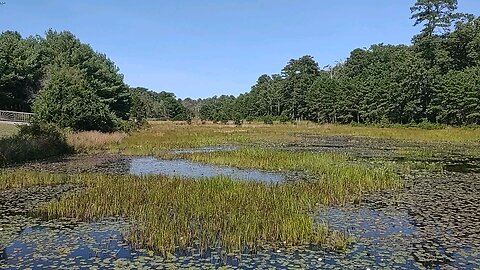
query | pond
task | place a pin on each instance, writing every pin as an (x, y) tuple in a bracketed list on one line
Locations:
[(432, 224), (184, 168)]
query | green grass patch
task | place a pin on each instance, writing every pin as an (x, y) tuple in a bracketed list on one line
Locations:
[(7, 130), (25, 179), (334, 176), (173, 213)]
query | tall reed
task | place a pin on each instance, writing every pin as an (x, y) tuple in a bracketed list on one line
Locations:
[(174, 213), (334, 176)]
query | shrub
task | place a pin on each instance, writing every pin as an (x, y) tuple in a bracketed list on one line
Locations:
[(283, 118), (268, 120), (250, 119), (34, 142)]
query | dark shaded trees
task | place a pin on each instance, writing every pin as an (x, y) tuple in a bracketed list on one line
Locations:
[(20, 71), (298, 76), (60, 68), (158, 105)]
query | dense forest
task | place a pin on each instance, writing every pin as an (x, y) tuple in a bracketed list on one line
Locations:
[(436, 79)]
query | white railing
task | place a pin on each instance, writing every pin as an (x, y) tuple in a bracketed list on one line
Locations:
[(11, 116)]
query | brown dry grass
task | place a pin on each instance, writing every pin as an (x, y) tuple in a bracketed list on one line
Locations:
[(93, 141)]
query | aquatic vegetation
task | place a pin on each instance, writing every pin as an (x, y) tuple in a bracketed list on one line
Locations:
[(174, 213), (334, 176), (24, 179)]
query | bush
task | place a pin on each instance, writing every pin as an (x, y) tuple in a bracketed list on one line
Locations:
[(250, 119), (34, 142), (268, 120), (283, 118)]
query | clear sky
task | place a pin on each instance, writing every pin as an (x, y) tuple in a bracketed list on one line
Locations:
[(201, 48)]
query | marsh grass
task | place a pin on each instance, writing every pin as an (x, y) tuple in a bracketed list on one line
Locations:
[(25, 179), (170, 135), (173, 214), (94, 141), (334, 176)]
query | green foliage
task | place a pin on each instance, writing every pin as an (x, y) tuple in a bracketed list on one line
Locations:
[(20, 71), (268, 120), (237, 119), (458, 97), (38, 141), (76, 87), (67, 101), (434, 14), (153, 105), (429, 84), (101, 75)]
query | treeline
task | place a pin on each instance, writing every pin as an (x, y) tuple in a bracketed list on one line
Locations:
[(158, 105), (65, 82), (437, 79)]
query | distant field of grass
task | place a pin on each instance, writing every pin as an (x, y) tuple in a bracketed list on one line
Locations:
[(170, 135), (7, 130)]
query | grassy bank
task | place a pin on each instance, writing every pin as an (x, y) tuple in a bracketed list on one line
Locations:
[(333, 176), (7, 130), (94, 141), (33, 142), (170, 135)]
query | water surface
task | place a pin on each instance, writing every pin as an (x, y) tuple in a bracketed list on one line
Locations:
[(184, 168)]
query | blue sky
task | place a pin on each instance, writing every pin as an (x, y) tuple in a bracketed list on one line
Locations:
[(201, 48)]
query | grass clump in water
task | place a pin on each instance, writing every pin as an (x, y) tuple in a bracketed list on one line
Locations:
[(334, 176), (173, 214), (25, 179)]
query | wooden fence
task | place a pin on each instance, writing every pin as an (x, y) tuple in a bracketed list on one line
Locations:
[(11, 116)]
